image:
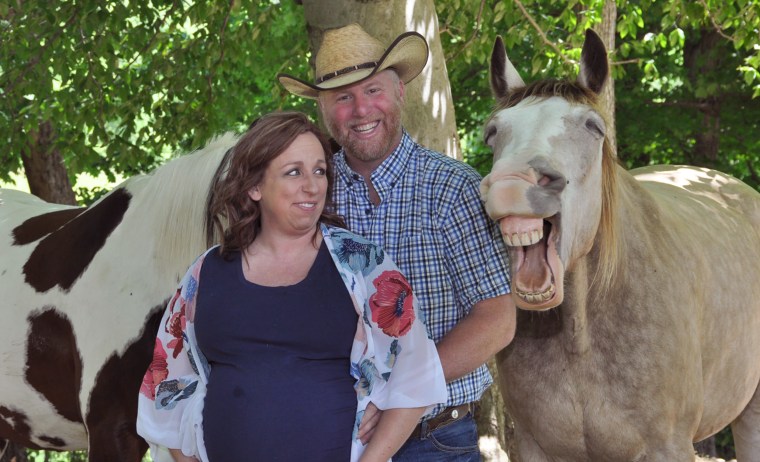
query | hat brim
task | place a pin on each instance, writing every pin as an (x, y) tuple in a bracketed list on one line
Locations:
[(407, 55)]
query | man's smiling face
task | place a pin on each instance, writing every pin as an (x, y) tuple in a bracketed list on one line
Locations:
[(365, 118)]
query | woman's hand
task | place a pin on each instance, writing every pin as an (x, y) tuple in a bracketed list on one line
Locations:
[(179, 457), (392, 430), (369, 422)]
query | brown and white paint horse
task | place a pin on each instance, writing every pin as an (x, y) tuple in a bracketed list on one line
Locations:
[(81, 293), (639, 327)]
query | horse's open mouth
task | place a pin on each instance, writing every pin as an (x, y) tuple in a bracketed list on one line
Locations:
[(535, 264)]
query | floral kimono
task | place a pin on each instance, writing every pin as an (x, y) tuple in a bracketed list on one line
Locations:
[(393, 359)]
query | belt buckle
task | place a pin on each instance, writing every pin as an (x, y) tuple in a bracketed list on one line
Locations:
[(447, 416)]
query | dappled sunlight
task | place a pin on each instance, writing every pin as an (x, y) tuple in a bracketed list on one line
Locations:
[(682, 177), (451, 145), (702, 182), (429, 29), (436, 107), (434, 95)]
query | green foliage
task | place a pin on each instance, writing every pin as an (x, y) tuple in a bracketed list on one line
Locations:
[(673, 62), (36, 455), (124, 82), (692, 70), (724, 444), (127, 83), (86, 196)]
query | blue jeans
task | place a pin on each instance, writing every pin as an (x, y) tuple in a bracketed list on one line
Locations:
[(455, 442)]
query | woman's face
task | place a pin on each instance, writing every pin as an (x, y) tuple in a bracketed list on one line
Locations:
[(293, 191)]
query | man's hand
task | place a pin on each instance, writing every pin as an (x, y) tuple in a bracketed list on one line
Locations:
[(369, 421)]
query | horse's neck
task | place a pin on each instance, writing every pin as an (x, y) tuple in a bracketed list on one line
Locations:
[(566, 324), (582, 285), (574, 308), (173, 200)]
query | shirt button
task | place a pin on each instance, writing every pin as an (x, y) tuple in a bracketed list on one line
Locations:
[(368, 211), (356, 177)]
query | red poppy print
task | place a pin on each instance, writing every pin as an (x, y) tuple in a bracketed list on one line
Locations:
[(391, 305), (175, 325), (157, 371)]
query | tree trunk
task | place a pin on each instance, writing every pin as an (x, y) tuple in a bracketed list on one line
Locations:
[(702, 59), (429, 111), (606, 31), (44, 168), (494, 421)]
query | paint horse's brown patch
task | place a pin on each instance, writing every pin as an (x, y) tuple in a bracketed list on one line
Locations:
[(113, 411), (41, 225), (63, 255), (53, 361), (13, 424)]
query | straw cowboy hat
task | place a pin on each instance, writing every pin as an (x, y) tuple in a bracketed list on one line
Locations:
[(349, 55)]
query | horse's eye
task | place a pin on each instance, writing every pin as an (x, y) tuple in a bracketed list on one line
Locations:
[(596, 127)]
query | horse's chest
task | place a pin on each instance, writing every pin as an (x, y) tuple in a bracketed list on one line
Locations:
[(572, 409)]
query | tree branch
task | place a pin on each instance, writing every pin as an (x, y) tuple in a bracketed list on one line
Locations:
[(715, 24), (34, 61), (156, 29), (475, 31), (685, 104), (626, 61), (221, 46), (541, 33), (91, 77)]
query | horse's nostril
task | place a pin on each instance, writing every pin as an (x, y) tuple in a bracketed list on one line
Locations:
[(554, 181)]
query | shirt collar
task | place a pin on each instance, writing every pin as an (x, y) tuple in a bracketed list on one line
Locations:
[(387, 174)]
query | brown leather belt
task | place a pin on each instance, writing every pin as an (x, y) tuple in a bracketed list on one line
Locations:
[(449, 415)]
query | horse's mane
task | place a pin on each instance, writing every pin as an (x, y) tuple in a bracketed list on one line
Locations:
[(607, 234), (173, 201)]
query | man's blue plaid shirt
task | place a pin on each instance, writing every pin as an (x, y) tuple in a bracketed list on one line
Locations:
[(433, 225)]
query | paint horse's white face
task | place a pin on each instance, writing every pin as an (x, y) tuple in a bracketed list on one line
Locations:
[(545, 186)]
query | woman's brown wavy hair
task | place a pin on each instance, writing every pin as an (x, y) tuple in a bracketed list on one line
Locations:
[(234, 215)]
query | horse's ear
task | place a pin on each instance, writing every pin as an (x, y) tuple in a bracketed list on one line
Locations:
[(594, 67), (503, 74)]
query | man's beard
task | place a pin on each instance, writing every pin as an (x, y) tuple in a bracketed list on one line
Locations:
[(372, 149)]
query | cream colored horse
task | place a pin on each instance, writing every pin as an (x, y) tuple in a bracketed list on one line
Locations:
[(639, 328)]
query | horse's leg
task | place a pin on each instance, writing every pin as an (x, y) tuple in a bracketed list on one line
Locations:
[(122, 444), (112, 414), (746, 431), (673, 452), (10, 452)]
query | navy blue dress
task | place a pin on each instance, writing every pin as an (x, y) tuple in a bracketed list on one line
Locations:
[(280, 387)]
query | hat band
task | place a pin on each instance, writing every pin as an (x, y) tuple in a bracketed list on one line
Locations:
[(346, 70)]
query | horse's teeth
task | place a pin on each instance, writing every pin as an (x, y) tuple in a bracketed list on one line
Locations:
[(523, 239), (536, 235), (537, 297)]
